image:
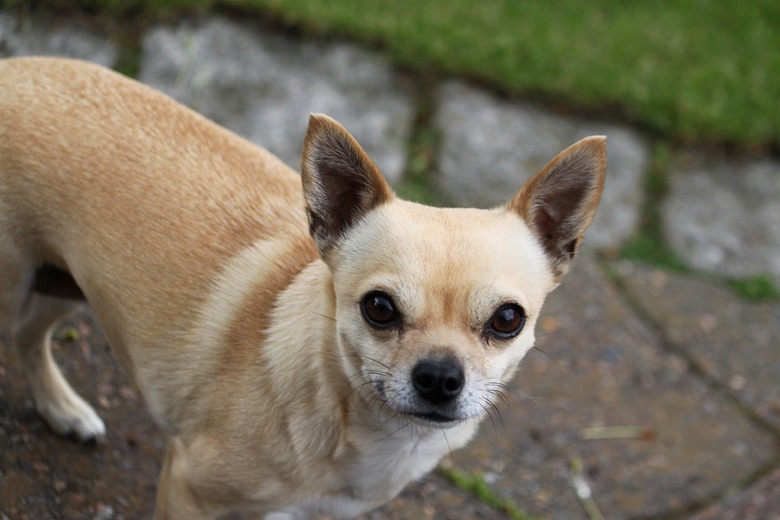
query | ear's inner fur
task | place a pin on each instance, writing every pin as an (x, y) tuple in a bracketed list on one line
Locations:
[(346, 195), (559, 216), (341, 183), (559, 202)]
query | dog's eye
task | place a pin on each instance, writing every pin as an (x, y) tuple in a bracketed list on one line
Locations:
[(507, 321), (378, 310)]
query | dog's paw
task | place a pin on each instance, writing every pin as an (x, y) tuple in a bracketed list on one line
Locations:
[(73, 416)]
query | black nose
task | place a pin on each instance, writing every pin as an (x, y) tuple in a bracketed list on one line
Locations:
[(438, 381)]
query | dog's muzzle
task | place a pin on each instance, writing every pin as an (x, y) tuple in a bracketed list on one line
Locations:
[(437, 384)]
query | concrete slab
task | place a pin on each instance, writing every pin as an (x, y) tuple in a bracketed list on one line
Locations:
[(44, 34), (263, 86), (734, 340), (760, 501), (722, 215), (491, 146)]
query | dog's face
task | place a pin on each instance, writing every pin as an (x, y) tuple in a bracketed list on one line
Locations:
[(435, 307)]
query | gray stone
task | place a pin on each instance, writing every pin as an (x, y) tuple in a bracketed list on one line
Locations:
[(42, 35), (490, 147), (732, 340), (759, 502), (724, 216), (263, 86)]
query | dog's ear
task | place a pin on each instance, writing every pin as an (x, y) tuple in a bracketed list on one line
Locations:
[(340, 181), (559, 202)]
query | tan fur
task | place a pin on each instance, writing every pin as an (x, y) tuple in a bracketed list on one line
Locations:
[(234, 294)]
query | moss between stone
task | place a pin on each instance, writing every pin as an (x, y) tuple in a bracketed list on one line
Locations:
[(756, 288), (476, 485)]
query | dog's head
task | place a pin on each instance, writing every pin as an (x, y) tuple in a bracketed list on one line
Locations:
[(437, 306)]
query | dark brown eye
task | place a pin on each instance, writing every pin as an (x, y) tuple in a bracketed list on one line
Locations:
[(378, 310), (507, 321)]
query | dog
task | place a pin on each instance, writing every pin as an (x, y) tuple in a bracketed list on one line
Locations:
[(311, 343)]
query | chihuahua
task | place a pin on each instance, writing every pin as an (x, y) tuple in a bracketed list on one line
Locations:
[(311, 343)]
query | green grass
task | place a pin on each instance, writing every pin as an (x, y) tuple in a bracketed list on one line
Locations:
[(689, 70), (649, 246), (422, 151), (650, 250), (757, 288), (415, 184)]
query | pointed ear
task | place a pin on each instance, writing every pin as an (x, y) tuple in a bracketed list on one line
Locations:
[(559, 202), (340, 181)]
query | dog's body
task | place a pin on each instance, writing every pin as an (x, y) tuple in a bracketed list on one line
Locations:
[(301, 366)]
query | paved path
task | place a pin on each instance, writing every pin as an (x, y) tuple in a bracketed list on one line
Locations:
[(654, 395)]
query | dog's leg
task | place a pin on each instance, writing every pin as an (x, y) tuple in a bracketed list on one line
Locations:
[(64, 410), (177, 498)]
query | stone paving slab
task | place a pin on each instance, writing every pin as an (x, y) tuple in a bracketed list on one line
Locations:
[(491, 146), (760, 502), (264, 85), (733, 340), (48, 35), (722, 215), (603, 368)]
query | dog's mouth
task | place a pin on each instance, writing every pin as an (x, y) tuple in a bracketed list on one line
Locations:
[(434, 417), (424, 416)]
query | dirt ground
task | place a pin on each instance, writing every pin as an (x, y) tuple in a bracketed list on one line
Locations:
[(45, 476)]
